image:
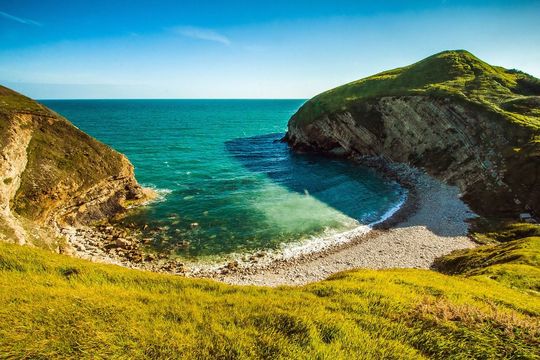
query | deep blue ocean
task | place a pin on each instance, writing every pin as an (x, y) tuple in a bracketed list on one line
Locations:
[(219, 163)]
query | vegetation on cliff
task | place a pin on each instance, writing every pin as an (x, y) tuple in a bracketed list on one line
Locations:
[(511, 256), (462, 120), (457, 74), (53, 306), (52, 171), (12, 102)]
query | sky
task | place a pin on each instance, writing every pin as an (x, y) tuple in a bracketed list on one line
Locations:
[(245, 49)]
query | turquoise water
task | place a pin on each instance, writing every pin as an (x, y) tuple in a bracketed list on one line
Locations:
[(219, 163)]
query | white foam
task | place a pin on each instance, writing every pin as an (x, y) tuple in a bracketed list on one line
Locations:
[(161, 193), (330, 238), (317, 243), (303, 247)]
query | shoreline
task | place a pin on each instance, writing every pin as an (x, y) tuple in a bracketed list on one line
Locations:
[(431, 223), (324, 256)]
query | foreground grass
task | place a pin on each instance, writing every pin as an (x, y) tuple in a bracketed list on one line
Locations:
[(515, 263), (52, 306)]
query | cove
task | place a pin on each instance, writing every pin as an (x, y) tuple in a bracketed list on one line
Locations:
[(219, 164)]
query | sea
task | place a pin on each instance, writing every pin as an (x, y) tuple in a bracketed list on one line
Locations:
[(226, 183)]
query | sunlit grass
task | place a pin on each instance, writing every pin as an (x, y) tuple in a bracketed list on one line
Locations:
[(451, 74), (54, 306), (10, 102)]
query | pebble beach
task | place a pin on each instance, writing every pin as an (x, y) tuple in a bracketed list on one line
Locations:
[(432, 222)]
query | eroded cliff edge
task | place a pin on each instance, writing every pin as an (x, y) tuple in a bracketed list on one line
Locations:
[(53, 174), (459, 118)]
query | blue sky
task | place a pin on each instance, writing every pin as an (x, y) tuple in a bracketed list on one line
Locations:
[(244, 49)]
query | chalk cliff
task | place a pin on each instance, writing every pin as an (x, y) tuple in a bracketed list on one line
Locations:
[(53, 174), (461, 119)]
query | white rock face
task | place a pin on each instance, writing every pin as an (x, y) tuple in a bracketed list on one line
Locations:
[(13, 162), (52, 174), (451, 140)]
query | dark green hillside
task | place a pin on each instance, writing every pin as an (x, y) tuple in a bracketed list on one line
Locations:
[(462, 120), (457, 74), (50, 171)]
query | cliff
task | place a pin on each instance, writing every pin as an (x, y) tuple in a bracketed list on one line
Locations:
[(54, 174), (462, 120)]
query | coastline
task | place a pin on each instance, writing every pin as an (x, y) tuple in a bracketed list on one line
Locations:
[(431, 222)]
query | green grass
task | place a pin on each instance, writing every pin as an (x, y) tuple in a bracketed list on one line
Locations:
[(485, 305), (62, 156), (497, 231), (11, 102), (62, 160), (493, 261), (54, 306), (515, 263), (450, 74)]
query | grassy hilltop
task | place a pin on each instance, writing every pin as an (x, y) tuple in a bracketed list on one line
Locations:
[(456, 74), (464, 121)]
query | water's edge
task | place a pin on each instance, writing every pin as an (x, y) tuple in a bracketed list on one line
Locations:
[(87, 241)]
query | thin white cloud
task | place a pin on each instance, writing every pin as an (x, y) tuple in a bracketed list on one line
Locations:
[(202, 34), (19, 19)]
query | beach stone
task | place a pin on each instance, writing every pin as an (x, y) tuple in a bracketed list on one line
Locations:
[(68, 231), (122, 243), (181, 267), (150, 257), (147, 240), (184, 243)]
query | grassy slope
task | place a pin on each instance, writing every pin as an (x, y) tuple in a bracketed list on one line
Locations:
[(515, 263), (60, 156), (13, 102), (456, 74), (55, 306)]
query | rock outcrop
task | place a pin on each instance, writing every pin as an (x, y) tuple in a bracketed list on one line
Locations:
[(462, 120), (52, 174)]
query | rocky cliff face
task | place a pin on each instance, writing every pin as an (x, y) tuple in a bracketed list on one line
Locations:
[(494, 159), (52, 174)]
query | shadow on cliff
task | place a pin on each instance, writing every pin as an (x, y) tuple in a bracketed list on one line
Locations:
[(337, 183), (354, 190)]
